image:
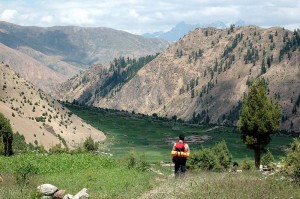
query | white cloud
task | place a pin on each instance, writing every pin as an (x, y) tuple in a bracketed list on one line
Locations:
[(139, 16), (47, 19), (76, 16), (8, 15), (133, 13)]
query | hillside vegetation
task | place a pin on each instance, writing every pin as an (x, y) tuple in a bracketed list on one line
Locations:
[(39, 118), (203, 76)]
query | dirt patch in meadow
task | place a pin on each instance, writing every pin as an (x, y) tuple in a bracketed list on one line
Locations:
[(193, 139)]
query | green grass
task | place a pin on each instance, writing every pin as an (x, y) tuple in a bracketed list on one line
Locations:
[(103, 176), (108, 178), (145, 135)]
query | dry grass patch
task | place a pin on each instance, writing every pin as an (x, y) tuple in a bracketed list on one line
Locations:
[(225, 185)]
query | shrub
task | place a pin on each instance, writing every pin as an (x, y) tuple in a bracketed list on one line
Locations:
[(23, 172), (204, 159), (292, 161), (136, 162), (19, 143), (223, 155), (218, 158), (58, 149), (90, 145), (267, 159), (131, 160), (247, 164)]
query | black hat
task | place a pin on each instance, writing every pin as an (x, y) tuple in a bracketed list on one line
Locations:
[(181, 137)]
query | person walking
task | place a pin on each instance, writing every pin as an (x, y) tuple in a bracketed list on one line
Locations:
[(180, 154)]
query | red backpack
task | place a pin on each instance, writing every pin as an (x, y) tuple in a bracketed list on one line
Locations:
[(180, 146)]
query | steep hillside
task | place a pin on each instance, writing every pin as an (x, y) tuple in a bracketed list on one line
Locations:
[(33, 70), (66, 50), (41, 119), (203, 76), (100, 80)]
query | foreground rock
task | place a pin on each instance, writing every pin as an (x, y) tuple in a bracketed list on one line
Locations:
[(81, 194), (47, 189), (52, 192)]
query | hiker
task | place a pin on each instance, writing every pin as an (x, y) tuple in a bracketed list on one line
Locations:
[(180, 154)]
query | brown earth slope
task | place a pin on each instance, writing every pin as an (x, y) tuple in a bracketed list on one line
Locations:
[(203, 76), (41, 119)]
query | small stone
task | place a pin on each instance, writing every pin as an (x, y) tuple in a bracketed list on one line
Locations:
[(59, 194)]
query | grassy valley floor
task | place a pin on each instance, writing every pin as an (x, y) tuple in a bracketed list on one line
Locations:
[(148, 136)]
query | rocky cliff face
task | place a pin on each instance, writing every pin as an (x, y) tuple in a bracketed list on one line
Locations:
[(203, 76)]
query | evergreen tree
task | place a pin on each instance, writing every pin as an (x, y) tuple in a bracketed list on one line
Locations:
[(6, 134), (263, 67), (269, 62), (259, 118)]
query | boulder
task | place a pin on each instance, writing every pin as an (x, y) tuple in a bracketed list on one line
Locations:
[(81, 194), (47, 189), (59, 194)]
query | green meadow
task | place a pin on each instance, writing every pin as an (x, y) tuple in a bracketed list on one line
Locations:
[(146, 135)]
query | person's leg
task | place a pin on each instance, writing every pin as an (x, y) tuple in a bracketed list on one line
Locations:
[(183, 166), (177, 167)]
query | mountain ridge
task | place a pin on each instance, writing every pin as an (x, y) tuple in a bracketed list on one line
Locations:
[(202, 77), (66, 50)]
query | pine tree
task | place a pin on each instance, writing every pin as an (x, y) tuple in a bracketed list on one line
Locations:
[(259, 118), (6, 134)]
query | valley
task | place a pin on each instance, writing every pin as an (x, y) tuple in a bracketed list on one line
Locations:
[(149, 136)]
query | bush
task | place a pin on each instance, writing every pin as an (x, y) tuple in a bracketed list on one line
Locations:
[(218, 158), (90, 145), (292, 161), (136, 162), (19, 143), (58, 149), (267, 159), (204, 159), (223, 155), (24, 171), (247, 164)]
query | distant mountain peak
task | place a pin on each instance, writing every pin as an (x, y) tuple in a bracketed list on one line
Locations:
[(182, 28)]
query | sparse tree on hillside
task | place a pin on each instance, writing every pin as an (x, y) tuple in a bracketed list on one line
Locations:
[(259, 118), (7, 135)]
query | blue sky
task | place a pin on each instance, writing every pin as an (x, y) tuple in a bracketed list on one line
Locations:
[(140, 16)]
